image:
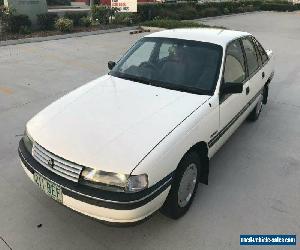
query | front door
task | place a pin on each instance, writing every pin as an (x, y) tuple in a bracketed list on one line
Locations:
[(232, 105)]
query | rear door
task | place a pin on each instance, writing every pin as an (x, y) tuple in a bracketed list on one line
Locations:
[(256, 74), (267, 67)]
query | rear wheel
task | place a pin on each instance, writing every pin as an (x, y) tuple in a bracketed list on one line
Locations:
[(254, 115), (184, 186)]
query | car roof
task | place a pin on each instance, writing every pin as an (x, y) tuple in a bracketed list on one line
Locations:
[(210, 35)]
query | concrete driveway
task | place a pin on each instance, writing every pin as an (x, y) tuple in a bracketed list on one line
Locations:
[(254, 179)]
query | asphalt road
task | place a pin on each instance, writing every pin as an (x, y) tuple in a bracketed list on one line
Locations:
[(254, 179)]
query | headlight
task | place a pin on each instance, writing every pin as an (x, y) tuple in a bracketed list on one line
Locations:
[(137, 182), (113, 181), (28, 142)]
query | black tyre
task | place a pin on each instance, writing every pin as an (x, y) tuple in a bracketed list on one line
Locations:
[(255, 113), (184, 186)]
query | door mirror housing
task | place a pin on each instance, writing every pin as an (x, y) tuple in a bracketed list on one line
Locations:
[(111, 65), (269, 53), (231, 88)]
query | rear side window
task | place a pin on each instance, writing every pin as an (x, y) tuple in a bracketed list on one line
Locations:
[(261, 50), (234, 71), (251, 56)]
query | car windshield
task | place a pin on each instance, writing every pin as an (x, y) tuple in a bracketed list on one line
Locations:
[(183, 65)]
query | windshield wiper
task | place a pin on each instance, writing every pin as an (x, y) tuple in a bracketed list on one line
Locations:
[(132, 78), (161, 84), (180, 87)]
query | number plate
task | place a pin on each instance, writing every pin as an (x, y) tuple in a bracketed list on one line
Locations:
[(50, 188)]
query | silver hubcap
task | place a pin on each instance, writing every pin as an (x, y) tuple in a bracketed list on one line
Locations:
[(187, 185), (259, 105)]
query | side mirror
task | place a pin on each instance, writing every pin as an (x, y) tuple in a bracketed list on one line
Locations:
[(231, 88), (269, 53), (111, 65)]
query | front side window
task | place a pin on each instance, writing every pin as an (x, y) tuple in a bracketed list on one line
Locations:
[(251, 56), (234, 71), (177, 64)]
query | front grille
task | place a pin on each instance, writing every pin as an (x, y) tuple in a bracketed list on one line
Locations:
[(56, 164)]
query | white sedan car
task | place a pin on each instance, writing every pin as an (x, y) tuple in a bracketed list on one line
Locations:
[(140, 138)]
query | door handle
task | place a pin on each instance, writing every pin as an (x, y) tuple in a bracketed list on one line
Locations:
[(263, 75), (247, 90)]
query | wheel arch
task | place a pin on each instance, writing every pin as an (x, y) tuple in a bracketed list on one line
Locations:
[(201, 148), (266, 90)]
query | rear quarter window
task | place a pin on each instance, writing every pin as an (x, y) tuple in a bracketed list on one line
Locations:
[(261, 50)]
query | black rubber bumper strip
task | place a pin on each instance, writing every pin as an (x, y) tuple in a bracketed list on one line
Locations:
[(94, 196)]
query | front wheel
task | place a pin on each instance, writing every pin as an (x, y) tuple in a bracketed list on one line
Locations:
[(184, 186)]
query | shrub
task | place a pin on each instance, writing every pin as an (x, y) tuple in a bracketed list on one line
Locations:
[(64, 24), (4, 11), (124, 18), (59, 2), (5, 15), (85, 21), (226, 11), (101, 13), (212, 11), (145, 12), (17, 23), (191, 10), (167, 13), (187, 12), (249, 8), (46, 21), (14, 23), (25, 30), (278, 6), (75, 17), (297, 6), (171, 24), (241, 9), (1, 2)]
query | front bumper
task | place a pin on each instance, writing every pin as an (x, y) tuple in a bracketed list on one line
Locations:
[(103, 205)]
